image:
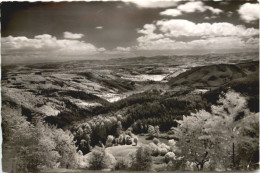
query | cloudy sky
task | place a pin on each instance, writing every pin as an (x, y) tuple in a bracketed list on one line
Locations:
[(99, 30)]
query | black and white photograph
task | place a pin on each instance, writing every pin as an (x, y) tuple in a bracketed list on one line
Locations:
[(130, 85)]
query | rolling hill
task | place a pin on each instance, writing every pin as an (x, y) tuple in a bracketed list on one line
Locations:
[(214, 76)]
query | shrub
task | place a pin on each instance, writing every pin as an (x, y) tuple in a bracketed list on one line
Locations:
[(135, 140), (130, 129), (97, 159), (116, 141), (119, 117), (128, 132), (121, 140), (137, 126), (110, 161), (156, 141), (154, 149), (128, 140), (142, 160), (172, 145), (177, 164), (162, 151), (109, 141), (151, 130), (157, 130), (190, 166), (163, 145), (118, 128), (121, 165), (170, 156), (84, 144), (66, 148)]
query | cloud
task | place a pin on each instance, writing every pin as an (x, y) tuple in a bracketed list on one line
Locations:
[(171, 12), (99, 27), (43, 36), (42, 48), (123, 49), (190, 7), (214, 43), (119, 51), (211, 17), (179, 27), (69, 35), (169, 34), (153, 3), (148, 33), (47, 43), (214, 10), (249, 12)]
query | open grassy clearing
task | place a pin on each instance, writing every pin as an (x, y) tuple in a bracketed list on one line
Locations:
[(122, 151)]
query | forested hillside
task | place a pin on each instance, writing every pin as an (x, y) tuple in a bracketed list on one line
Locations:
[(159, 119)]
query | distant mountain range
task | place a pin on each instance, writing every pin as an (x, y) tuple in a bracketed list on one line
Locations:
[(217, 57)]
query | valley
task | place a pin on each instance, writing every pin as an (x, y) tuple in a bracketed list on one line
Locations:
[(46, 88), (93, 99)]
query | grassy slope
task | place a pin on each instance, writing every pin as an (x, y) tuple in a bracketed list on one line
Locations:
[(214, 75), (121, 151)]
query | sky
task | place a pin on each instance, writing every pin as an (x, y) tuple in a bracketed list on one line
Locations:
[(48, 31)]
